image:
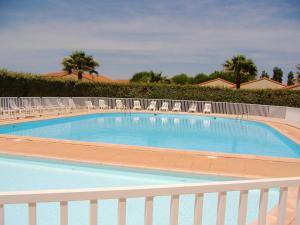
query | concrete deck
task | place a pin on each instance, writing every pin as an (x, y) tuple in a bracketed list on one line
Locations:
[(200, 162), (157, 158)]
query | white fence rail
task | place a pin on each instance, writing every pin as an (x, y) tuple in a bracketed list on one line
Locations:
[(175, 191), (28, 104)]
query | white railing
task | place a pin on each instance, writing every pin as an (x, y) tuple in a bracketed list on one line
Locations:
[(175, 191), (216, 107)]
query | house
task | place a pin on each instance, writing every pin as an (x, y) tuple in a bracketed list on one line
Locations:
[(218, 82), (85, 77), (262, 83), (293, 87)]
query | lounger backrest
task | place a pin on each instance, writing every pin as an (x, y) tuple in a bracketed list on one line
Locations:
[(26, 103), (119, 103), (60, 103), (177, 105), (88, 103), (137, 103), (36, 102), (12, 104), (193, 106), (153, 103), (207, 107), (71, 103), (165, 105), (101, 102)]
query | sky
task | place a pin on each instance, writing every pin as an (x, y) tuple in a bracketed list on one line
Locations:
[(174, 36)]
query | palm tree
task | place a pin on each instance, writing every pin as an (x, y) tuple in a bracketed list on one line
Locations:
[(78, 63), (240, 66)]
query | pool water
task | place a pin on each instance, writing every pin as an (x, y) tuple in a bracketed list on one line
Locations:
[(187, 132), (20, 174)]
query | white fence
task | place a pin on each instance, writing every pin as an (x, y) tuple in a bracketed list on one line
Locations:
[(217, 107), (175, 191)]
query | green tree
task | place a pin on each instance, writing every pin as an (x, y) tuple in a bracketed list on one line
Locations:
[(78, 63), (181, 79), (290, 80), (149, 77), (277, 74), (199, 78), (240, 66), (264, 74), (298, 73), (229, 76)]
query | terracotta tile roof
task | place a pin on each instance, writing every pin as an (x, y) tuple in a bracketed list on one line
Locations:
[(263, 78), (292, 86), (121, 81), (86, 76), (217, 79)]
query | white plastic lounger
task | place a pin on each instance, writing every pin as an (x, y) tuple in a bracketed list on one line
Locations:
[(207, 108), (72, 105), (152, 106), (61, 106), (102, 104), (193, 108), (177, 107), (4, 113), (15, 109), (119, 104), (89, 105), (29, 108), (38, 106), (164, 106), (137, 105), (50, 106)]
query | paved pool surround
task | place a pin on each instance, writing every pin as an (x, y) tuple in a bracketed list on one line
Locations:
[(157, 158), (200, 162)]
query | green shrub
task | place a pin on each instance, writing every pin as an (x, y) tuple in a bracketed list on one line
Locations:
[(24, 84)]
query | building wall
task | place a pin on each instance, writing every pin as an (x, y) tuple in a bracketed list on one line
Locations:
[(262, 84), (217, 83)]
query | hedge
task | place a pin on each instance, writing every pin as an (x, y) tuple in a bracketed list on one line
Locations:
[(23, 84)]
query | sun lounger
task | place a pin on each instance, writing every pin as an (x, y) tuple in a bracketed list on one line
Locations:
[(72, 105), (30, 110), (89, 105), (207, 108), (193, 108), (15, 110), (38, 106), (177, 107), (137, 105), (152, 106), (4, 113), (102, 104), (164, 106), (119, 105)]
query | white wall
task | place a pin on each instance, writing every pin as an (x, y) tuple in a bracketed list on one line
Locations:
[(292, 116)]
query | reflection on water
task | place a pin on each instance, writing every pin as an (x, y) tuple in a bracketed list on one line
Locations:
[(168, 131)]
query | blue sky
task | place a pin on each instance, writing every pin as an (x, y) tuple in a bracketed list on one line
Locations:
[(175, 36)]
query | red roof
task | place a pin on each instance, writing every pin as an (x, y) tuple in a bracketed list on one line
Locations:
[(98, 78), (220, 79), (292, 86), (263, 78)]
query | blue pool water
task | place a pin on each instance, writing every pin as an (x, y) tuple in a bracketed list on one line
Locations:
[(26, 174), (165, 131)]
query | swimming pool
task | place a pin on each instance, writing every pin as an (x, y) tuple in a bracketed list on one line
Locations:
[(18, 174), (188, 132)]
